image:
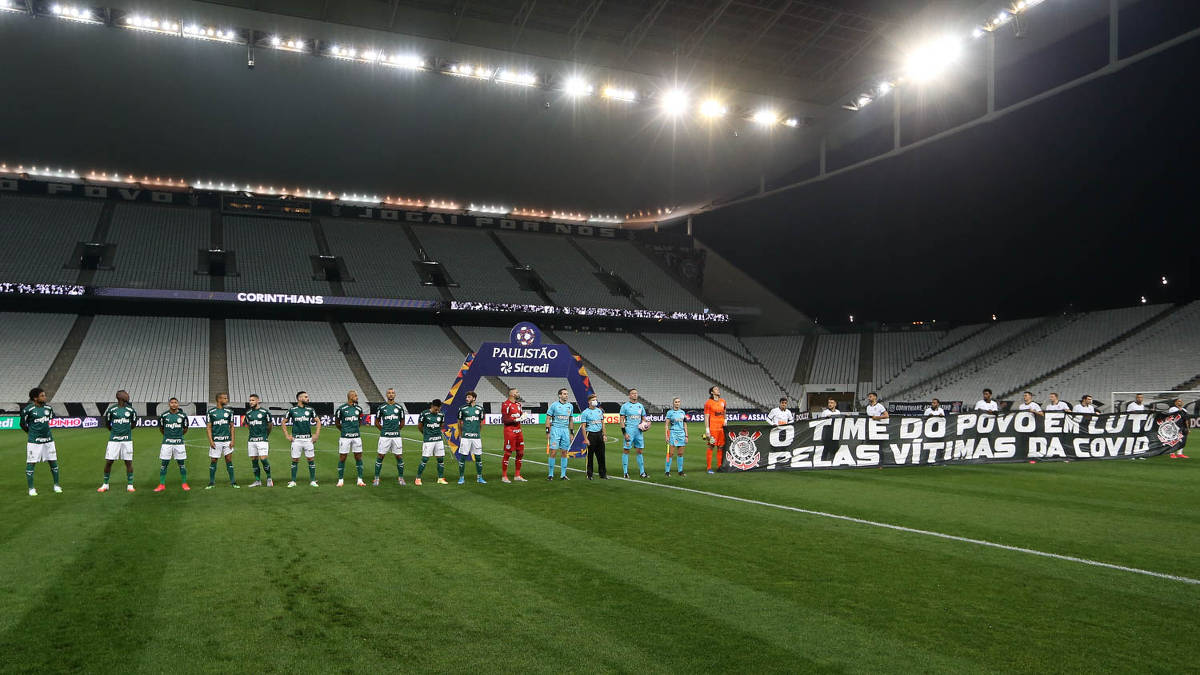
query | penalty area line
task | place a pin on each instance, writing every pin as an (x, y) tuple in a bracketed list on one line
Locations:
[(910, 530)]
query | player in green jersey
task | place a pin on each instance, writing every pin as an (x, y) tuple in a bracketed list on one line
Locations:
[(258, 424), (431, 422), (348, 417), (305, 429), (470, 419), (39, 443), (173, 424), (220, 440), (389, 420), (120, 420)]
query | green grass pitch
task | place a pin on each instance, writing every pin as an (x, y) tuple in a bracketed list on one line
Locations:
[(601, 576)]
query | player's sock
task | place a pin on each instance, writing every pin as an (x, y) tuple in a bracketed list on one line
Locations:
[(378, 466), (400, 465), (358, 467), (229, 468), (341, 469), (709, 463), (212, 473), (295, 467), (29, 475), (312, 469), (679, 463), (462, 467), (563, 462), (182, 472), (54, 470), (478, 466), (625, 463), (641, 459), (520, 456), (504, 463), (162, 472), (441, 467), (668, 464), (550, 463), (257, 471), (720, 457), (266, 465), (129, 478), (421, 466), (106, 474)]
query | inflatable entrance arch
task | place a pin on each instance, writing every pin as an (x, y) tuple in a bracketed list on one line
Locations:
[(523, 355)]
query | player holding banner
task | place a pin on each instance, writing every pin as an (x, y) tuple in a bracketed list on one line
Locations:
[(677, 436), (514, 438), (173, 424)]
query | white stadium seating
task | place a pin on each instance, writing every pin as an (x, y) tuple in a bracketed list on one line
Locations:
[(836, 359), (564, 269), (379, 257), (957, 346), (658, 290), (475, 263), (779, 354), (745, 377), (729, 342), (273, 256), (419, 361), (28, 344), (157, 247), (153, 358), (275, 359), (895, 351), (47, 230), (1161, 357)]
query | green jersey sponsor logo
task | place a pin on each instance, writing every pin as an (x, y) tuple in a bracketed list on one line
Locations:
[(391, 416), (37, 421), (120, 420), (221, 421), (431, 425), (350, 417), (471, 417), (301, 418), (258, 423), (174, 425)]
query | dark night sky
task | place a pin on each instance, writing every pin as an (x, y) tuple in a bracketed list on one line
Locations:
[(1082, 200)]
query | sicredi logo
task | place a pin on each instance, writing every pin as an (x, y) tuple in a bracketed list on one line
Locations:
[(510, 368)]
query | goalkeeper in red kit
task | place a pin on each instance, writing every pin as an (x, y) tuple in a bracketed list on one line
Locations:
[(514, 439)]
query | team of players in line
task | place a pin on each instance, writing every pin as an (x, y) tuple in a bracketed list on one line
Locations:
[(302, 429)]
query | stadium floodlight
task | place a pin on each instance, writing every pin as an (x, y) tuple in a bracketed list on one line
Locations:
[(513, 77), (468, 70), (75, 13), (568, 215), (884, 88), (489, 208), (360, 199), (1164, 281), (410, 61), (674, 102), (603, 219), (577, 86), (766, 117), (931, 60), (619, 94), (8, 6), (792, 122), (713, 108), (201, 32), (442, 205), (138, 22)]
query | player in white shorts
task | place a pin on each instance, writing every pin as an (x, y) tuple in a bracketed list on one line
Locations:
[(120, 420), (389, 420), (220, 440), (258, 432), (432, 423), (39, 445), (173, 425), (348, 417), (470, 445), (303, 434)]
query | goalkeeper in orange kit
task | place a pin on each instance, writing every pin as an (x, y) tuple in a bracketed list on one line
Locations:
[(714, 431)]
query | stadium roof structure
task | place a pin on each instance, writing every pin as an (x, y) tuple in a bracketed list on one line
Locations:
[(810, 50)]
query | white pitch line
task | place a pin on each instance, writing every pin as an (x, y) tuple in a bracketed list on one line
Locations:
[(910, 530)]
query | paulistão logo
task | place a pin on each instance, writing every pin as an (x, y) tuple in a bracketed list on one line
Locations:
[(743, 451), (525, 336)]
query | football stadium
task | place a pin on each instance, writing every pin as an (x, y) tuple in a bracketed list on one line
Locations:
[(599, 336)]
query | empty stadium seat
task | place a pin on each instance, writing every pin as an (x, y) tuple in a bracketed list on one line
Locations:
[(275, 359), (157, 247), (55, 224), (564, 269), (379, 257), (273, 256), (475, 263), (28, 344)]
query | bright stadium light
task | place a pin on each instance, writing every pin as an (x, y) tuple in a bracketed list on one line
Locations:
[(199, 32), (74, 13), (138, 22), (674, 102), (619, 94), (713, 108), (766, 117), (884, 88), (792, 122), (411, 61), (8, 6), (513, 77), (577, 86), (489, 208), (931, 60)]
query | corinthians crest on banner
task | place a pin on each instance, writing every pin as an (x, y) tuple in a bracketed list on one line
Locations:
[(849, 442)]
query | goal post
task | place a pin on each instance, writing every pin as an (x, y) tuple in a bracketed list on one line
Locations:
[(1154, 400)]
